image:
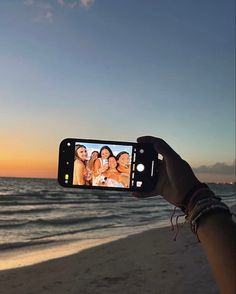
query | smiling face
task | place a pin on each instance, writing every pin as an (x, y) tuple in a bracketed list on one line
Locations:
[(124, 159), (112, 162), (105, 154), (94, 155), (82, 153)]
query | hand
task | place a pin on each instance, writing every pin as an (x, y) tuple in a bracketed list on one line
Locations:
[(103, 168), (87, 174), (175, 176)]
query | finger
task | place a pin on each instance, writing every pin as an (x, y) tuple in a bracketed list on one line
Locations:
[(160, 146)]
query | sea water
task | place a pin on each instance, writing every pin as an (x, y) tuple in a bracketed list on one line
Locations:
[(39, 211)]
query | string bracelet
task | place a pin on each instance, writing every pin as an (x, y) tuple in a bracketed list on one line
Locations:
[(194, 223), (176, 223), (203, 208), (189, 203), (183, 206), (201, 194), (199, 202)]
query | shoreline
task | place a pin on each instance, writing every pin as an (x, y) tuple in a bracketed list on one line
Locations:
[(34, 254), (148, 262)]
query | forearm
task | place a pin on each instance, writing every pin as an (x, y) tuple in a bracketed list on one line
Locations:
[(217, 233)]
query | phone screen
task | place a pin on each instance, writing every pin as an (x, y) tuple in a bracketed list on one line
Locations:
[(102, 165), (111, 165)]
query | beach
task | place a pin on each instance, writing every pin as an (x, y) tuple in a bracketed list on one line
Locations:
[(148, 262), (58, 241)]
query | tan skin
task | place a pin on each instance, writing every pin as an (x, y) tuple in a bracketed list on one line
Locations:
[(98, 169), (112, 172), (94, 157), (216, 232), (79, 167), (124, 169), (124, 163)]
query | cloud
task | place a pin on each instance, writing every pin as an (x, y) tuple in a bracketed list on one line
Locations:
[(75, 3), (86, 3), (28, 2), (45, 10), (217, 168), (61, 2)]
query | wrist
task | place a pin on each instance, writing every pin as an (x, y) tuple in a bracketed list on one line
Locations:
[(202, 205), (186, 204), (216, 217)]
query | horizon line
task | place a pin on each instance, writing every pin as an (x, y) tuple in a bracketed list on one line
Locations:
[(15, 177)]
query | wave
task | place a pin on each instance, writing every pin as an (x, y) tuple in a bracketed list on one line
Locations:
[(73, 232), (25, 211), (14, 202), (14, 245), (55, 222)]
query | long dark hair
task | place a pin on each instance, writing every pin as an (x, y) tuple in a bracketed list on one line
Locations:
[(76, 149), (105, 147), (121, 153)]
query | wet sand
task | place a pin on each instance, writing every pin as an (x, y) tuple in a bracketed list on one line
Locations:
[(149, 262)]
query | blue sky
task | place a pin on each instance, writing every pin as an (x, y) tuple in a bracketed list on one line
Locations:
[(114, 148), (115, 70)]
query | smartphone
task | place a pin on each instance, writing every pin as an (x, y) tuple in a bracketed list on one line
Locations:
[(107, 165)]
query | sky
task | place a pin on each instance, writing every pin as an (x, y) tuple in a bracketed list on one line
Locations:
[(90, 147), (116, 70)]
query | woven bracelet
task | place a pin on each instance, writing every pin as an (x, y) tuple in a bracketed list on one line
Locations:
[(184, 205), (194, 224)]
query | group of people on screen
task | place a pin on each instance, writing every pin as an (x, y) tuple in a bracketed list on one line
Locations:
[(103, 169)]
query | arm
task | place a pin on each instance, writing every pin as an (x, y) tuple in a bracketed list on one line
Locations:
[(78, 178), (216, 230), (218, 237), (97, 165), (98, 169)]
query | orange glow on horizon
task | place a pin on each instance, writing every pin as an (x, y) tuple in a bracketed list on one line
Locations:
[(28, 166), (41, 161), (28, 157), (48, 169), (29, 169)]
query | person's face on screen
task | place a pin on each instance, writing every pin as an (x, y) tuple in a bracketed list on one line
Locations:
[(124, 159), (94, 155), (112, 162), (105, 154), (82, 153)]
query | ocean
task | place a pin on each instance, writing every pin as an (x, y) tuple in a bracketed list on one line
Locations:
[(39, 211)]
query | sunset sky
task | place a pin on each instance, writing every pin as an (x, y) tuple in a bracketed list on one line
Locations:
[(115, 70)]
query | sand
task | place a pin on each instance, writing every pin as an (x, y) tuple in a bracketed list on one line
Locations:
[(149, 262)]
